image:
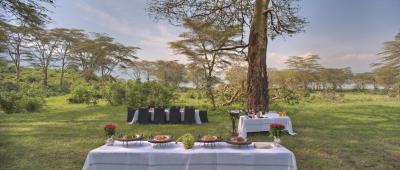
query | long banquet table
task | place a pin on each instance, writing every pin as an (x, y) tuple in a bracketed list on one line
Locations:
[(173, 157), (151, 111), (263, 124)]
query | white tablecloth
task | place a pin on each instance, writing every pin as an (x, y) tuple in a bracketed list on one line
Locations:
[(263, 124), (196, 116), (174, 157)]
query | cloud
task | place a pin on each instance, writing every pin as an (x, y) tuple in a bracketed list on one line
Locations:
[(107, 20), (152, 41), (155, 46), (359, 62)]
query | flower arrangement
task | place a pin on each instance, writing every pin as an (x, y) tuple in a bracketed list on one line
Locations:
[(110, 129), (277, 129)]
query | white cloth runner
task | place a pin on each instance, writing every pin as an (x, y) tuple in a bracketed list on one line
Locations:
[(263, 124), (174, 157), (196, 116)]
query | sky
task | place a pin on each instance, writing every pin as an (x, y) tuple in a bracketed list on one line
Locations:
[(344, 33)]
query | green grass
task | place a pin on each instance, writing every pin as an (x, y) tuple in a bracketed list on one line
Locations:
[(361, 133)]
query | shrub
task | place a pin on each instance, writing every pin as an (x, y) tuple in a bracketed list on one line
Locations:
[(115, 93), (32, 104), (84, 93), (289, 96), (138, 94), (20, 97), (9, 102)]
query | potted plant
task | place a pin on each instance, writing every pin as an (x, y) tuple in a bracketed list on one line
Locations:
[(276, 132)]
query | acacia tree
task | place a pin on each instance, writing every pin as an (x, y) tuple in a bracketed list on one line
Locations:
[(82, 57), (170, 72), (110, 55), (44, 44), (264, 18), (101, 55), (361, 80), (387, 70), (235, 88), (142, 68), (334, 78), (15, 45), (195, 74), (202, 45), (30, 12), (67, 39), (304, 69), (390, 56)]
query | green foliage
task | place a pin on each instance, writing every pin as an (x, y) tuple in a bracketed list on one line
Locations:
[(9, 102), (195, 94), (32, 104), (115, 93), (290, 96), (138, 94), (84, 93), (21, 97)]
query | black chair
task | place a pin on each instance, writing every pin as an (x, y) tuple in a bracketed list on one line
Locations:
[(189, 115), (174, 114), (159, 115), (203, 116), (131, 114), (144, 116)]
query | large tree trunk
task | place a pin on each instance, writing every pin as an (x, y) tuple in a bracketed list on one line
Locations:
[(45, 76), (62, 74), (211, 95), (257, 78), (17, 72)]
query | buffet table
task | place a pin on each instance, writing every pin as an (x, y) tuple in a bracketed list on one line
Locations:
[(173, 157), (247, 124), (196, 116)]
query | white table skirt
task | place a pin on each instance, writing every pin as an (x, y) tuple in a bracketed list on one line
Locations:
[(263, 124), (174, 157), (196, 116)]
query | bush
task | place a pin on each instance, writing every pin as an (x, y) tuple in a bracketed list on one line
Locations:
[(9, 102), (138, 94), (290, 96), (20, 97), (115, 93), (84, 93), (32, 104)]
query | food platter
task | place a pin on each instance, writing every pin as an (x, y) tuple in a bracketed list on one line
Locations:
[(130, 138), (157, 139), (238, 141), (208, 139), (125, 139)]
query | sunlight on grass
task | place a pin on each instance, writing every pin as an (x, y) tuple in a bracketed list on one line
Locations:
[(351, 135)]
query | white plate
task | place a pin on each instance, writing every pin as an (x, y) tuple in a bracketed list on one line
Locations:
[(263, 145)]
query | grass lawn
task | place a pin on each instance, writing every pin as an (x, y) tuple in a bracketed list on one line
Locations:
[(361, 133)]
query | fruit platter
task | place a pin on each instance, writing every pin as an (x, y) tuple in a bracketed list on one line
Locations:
[(160, 139)]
